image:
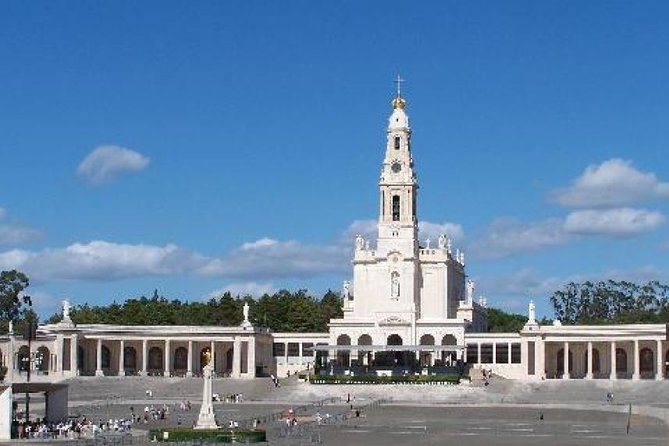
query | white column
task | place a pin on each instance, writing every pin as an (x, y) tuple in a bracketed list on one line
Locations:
[(145, 359), (285, 353), (74, 360), (659, 363), (613, 375), (508, 346), (166, 367), (212, 350), (237, 358), (300, 348), (494, 352), (189, 371), (98, 366), (478, 352), (251, 357), (588, 374), (636, 374), (121, 359), (565, 361)]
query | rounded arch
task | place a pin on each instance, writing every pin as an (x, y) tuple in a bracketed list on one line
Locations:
[(130, 359), (364, 356), (394, 339), (596, 365), (560, 362), (106, 358), (646, 361), (22, 357), (621, 361), (449, 339), (365, 340), (156, 359), (42, 359), (427, 339), (343, 356), (180, 359), (344, 339)]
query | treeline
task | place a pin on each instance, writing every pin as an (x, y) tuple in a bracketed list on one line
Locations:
[(284, 310), (612, 302)]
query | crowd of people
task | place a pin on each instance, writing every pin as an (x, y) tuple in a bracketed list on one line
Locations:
[(69, 429)]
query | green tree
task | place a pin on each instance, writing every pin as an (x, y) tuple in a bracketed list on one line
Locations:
[(12, 299)]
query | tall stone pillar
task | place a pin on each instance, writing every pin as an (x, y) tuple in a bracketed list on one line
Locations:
[(189, 371), (74, 351), (614, 374), (588, 374), (251, 357), (659, 366), (145, 359), (167, 357), (207, 419), (98, 365), (478, 353), (300, 350), (121, 358), (237, 358), (565, 361), (636, 374), (285, 353), (494, 352)]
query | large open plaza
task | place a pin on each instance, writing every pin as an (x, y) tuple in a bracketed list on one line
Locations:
[(506, 412)]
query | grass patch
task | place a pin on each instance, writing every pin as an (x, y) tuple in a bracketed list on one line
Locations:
[(217, 435)]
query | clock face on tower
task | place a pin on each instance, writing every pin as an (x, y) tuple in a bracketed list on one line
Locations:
[(396, 167)]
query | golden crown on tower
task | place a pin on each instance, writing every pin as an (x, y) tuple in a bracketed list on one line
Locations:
[(399, 102)]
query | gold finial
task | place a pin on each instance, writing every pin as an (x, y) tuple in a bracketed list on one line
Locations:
[(399, 102)]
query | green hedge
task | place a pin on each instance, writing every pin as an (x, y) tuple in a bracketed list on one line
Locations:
[(370, 379), (218, 436)]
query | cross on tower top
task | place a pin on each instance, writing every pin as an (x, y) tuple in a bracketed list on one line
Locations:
[(399, 81)]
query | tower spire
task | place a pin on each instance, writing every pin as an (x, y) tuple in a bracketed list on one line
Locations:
[(399, 101), (399, 81)]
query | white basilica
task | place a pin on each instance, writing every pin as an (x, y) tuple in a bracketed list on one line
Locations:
[(409, 309)]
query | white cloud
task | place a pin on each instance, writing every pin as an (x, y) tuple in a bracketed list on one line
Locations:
[(620, 222), (615, 182), (268, 259), (15, 233), (254, 289), (105, 163), (101, 260), (505, 237), (432, 231), (367, 228)]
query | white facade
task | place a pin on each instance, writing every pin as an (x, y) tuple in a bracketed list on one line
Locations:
[(401, 289)]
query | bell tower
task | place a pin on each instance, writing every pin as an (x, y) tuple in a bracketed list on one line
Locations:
[(398, 224)]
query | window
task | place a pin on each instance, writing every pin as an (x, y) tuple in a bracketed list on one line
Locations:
[(502, 353), (293, 349), (279, 348), (397, 143), (472, 353), (515, 353), (486, 353), (396, 208)]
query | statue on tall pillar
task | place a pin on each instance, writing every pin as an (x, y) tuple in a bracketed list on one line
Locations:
[(206, 419), (246, 323), (442, 241), (346, 290)]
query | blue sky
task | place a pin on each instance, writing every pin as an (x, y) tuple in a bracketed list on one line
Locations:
[(197, 147)]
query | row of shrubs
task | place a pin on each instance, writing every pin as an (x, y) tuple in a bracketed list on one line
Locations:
[(371, 379), (218, 436)]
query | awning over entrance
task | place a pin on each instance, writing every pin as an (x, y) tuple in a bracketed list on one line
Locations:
[(390, 348)]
